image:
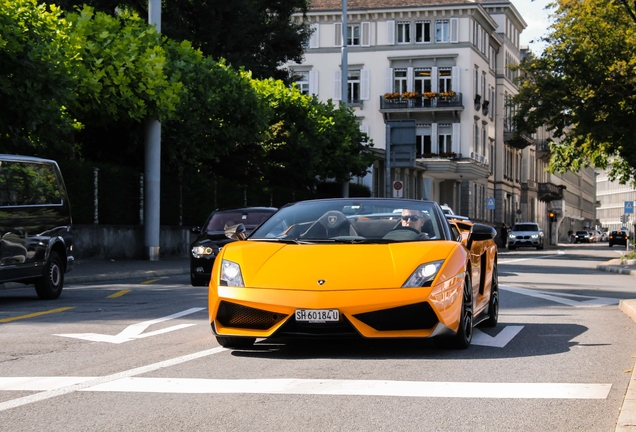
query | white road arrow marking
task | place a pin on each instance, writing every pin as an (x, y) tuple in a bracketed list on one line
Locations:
[(586, 301), (499, 341), (134, 331)]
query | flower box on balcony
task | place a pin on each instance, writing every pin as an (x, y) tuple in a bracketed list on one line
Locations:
[(410, 95), (429, 95), (447, 95)]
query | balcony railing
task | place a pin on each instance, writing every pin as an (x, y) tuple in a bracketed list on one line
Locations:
[(421, 102), (550, 192)]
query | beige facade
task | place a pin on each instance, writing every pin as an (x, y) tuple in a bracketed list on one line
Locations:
[(445, 65)]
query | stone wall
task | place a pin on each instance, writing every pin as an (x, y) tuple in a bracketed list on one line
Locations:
[(126, 241)]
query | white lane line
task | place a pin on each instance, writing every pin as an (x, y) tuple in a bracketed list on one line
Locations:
[(566, 299), (73, 386), (320, 387), (358, 388)]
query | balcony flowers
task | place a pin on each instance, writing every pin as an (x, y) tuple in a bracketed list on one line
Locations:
[(391, 96), (410, 95), (448, 94), (429, 95), (449, 155)]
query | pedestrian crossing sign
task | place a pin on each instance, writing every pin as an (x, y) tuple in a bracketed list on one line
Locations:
[(629, 207)]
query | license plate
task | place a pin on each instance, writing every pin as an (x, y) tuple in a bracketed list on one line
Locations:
[(317, 315)]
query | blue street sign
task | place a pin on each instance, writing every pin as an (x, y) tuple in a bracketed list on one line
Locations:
[(490, 203), (629, 207)]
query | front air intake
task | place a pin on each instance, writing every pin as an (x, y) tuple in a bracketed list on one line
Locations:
[(243, 317), (419, 316)]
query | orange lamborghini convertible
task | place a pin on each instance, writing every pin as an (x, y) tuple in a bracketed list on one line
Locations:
[(350, 267)]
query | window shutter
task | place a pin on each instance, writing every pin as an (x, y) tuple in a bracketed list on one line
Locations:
[(313, 82), (390, 32), (365, 75), (455, 79), (456, 138), (337, 85), (388, 83), (314, 40), (434, 79), (454, 30), (366, 34), (434, 138), (338, 34), (410, 79)]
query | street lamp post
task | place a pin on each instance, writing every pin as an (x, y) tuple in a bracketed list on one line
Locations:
[(344, 73), (152, 172)]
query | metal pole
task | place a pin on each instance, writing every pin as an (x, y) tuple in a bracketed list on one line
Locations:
[(345, 76), (152, 175), (96, 195), (387, 164)]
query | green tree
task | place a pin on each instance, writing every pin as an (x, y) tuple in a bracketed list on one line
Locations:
[(583, 88), (219, 113), (258, 35), (37, 81)]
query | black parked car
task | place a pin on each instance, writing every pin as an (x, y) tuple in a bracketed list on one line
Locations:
[(618, 237), (211, 238)]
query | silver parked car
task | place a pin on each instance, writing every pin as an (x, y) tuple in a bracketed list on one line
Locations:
[(525, 234)]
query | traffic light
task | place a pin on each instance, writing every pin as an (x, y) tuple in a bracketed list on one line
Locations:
[(552, 216)]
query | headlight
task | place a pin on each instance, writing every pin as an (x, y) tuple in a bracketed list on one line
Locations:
[(202, 251), (512, 236), (231, 274), (534, 236), (423, 275)]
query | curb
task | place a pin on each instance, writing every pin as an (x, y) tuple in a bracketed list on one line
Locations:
[(627, 417), (615, 266)]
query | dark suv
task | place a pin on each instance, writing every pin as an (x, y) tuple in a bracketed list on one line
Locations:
[(618, 238), (36, 241)]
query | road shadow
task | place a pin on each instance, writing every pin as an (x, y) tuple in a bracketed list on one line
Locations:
[(532, 341)]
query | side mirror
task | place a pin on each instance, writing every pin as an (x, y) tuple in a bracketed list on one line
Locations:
[(196, 230), (480, 232), (236, 232)]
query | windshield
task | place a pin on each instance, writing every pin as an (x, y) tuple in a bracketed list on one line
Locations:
[(526, 227), (249, 218), (355, 220)]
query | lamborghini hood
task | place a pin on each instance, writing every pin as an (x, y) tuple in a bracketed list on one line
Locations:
[(323, 267)]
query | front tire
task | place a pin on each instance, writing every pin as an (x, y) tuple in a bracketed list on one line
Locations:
[(465, 330), (198, 280), (49, 286), (235, 341), (493, 303)]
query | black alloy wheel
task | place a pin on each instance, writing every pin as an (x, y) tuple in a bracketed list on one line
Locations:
[(465, 330)]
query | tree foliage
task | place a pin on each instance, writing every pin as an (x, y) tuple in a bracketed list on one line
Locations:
[(258, 35), (36, 78), (583, 88)]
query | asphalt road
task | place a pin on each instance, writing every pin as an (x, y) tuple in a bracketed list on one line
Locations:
[(138, 355)]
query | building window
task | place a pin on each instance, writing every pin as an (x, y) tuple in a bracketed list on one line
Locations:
[(445, 79), (422, 31), (403, 32), (442, 31), (302, 82), (423, 146), (353, 86), (423, 81), (399, 80), (445, 142), (353, 34)]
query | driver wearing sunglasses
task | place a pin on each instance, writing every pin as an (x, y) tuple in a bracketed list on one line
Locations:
[(412, 219)]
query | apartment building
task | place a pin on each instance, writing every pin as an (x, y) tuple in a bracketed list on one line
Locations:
[(611, 197), (444, 64)]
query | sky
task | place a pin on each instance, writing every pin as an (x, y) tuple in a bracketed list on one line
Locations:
[(535, 15)]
